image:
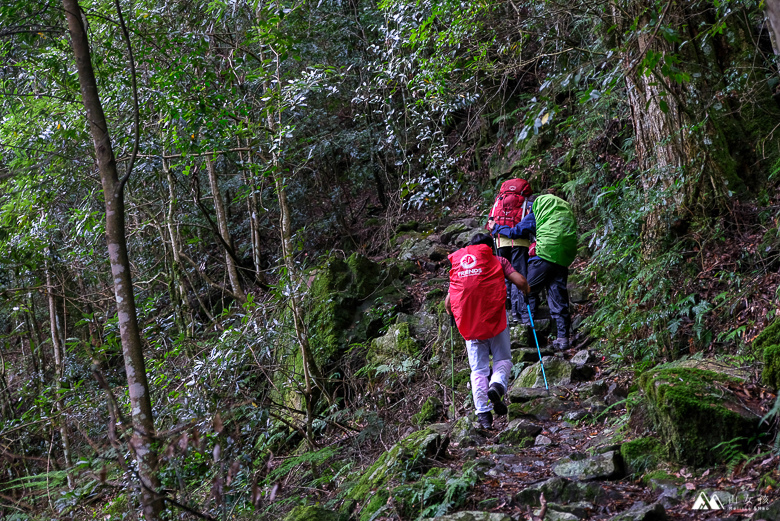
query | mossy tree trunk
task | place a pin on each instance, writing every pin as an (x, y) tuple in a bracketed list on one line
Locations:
[(686, 115)]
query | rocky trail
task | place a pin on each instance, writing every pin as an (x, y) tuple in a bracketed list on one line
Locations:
[(602, 443)]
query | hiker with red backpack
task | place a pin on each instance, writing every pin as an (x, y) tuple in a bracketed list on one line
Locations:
[(552, 222), (477, 300), (511, 206)]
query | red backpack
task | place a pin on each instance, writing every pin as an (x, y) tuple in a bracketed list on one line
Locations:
[(477, 292), (511, 202)]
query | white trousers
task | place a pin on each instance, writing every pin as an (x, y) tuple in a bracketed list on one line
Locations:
[(479, 352)]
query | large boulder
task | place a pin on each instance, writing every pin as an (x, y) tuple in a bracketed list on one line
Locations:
[(340, 296), (642, 454), (417, 247), (694, 407), (642, 512), (519, 431), (563, 491), (423, 326), (457, 228)]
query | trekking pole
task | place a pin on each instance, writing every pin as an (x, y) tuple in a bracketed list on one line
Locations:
[(452, 361), (537, 346)]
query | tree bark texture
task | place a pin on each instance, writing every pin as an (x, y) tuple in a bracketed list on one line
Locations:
[(686, 118), (772, 9), (132, 348)]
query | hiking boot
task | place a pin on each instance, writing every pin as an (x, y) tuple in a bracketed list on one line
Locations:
[(495, 392), (561, 344), (485, 420)]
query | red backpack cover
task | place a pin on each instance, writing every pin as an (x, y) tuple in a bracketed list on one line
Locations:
[(510, 206), (477, 292)]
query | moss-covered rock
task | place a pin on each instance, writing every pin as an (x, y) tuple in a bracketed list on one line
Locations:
[(581, 467), (409, 457), (413, 498), (431, 411), (540, 408), (397, 341), (312, 513), (340, 297), (378, 500), (768, 341), (465, 433), (642, 454), (520, 432), (557, 370), (694, 410)]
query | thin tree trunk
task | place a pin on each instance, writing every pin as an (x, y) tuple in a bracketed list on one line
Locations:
[(59, 373), (113, 192), (222, 223), (179, 294)]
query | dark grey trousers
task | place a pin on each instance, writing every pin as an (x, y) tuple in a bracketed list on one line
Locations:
[(554, 277)]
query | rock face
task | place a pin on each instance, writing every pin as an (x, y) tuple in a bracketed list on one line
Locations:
[(694, 409), (608, 465), (339, 295)]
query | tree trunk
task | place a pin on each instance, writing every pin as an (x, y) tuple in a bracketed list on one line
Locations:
[(772, 9), (222, 224), (59, 372), (143, 422), (179, 293), (688, 164)]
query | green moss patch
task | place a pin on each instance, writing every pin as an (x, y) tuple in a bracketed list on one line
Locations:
[(312, 513), (340, 298), (642, 454), (694, 410), (431, 411), (769, 342)]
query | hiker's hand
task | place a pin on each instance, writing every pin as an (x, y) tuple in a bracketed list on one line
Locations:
[(491, 224)]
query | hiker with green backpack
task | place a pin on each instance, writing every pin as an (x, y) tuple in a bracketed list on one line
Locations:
[(552, 221)]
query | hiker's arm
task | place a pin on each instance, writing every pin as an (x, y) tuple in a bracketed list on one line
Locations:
[(521, 230), (519, 281), (447, 305)]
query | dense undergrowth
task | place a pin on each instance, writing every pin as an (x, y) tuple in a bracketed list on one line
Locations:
[(395, 122)]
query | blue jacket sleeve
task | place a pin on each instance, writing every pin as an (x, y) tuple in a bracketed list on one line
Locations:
[(522, 230)]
